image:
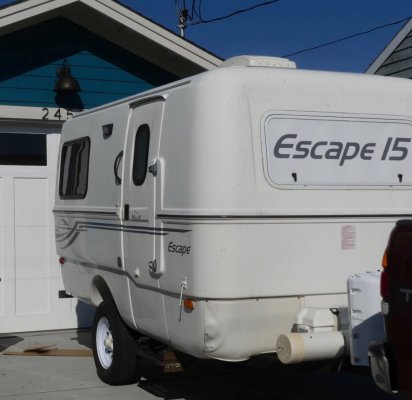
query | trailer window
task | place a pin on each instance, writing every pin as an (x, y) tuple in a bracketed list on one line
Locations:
[(23, 149), (74, 169), (141, 153)]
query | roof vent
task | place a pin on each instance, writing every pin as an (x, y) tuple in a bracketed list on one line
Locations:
[(258, 61)]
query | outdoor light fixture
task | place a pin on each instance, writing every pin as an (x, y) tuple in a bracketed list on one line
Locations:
[(66, 83)]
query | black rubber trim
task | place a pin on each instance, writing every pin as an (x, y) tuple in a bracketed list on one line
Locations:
[(310, 216), (85, 212)]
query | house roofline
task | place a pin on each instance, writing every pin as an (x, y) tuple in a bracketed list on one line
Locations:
[(166, 29), (390, 48), (21, 10)]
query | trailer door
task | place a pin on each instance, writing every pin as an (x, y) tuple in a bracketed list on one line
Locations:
[(139, 223)]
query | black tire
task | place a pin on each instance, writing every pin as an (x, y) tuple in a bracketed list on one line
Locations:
[(114, 348)]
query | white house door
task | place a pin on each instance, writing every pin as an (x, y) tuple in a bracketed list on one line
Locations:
[(29, 269)]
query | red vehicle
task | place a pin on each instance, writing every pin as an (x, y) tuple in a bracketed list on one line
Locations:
[(391, 361)]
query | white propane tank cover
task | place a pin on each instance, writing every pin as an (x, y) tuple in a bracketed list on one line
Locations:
[(258, 61), (294, 348), (290, 348), (316, 318)]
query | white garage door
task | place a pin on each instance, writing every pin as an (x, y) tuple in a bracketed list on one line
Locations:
[(29, 269)]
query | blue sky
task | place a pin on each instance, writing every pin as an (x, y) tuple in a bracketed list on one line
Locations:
[(290, 25), (287, 26)]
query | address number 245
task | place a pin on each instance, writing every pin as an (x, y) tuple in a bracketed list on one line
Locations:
[(59, 114)]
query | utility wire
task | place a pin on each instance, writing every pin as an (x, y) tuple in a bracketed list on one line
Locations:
[(207, 21), (348, 37), (193, 12)]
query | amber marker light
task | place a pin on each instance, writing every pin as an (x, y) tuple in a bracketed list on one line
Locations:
[(385, 260), (385, 292), (189, 304)]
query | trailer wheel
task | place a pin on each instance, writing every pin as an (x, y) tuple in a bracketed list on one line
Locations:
[(113, 347)]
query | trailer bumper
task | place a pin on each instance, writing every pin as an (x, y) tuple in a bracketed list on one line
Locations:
[(382, 366)]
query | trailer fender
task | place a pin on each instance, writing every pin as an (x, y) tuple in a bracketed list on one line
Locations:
[(100, 291)]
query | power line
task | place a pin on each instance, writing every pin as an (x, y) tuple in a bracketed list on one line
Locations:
[(198, 13), (189, 14), (184, 15), (348, 37), (232, 14)]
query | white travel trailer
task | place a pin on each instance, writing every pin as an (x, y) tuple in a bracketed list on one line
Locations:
[(221, 213)]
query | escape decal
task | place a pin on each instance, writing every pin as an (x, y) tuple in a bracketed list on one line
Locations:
[(178, 248), (337, 151)]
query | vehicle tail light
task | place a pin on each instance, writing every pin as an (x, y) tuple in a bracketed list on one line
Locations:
[(385, 284), (384, 307), (62, 260), (385, 277), (385, 260)]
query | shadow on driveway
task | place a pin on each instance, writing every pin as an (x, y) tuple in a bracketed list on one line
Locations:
[(8, 341), (261, 378)]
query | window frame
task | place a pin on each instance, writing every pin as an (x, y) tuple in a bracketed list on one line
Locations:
[(84, 139), (143, 179)]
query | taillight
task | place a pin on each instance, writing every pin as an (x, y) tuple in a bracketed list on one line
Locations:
[(385, 260), (385, 277), (385, 285)]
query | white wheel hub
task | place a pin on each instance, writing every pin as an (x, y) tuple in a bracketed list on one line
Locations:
[(104, 343)]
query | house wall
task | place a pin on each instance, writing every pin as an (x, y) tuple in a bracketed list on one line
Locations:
[(399, 63), (105, 72), (30, 278)]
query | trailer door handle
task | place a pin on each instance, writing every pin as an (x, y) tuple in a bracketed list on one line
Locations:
[(126, 212), (116, 165), (153, 267), (153, 169)]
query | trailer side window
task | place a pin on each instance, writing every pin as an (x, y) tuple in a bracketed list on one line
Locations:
[(141, 154), (74, 169)]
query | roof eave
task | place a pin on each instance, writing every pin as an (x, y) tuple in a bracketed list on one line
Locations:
[(19, 14), (390, 48)]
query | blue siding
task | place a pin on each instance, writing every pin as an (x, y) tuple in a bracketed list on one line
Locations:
[(105, 72)]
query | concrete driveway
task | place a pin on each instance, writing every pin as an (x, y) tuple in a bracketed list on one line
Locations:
[(65, 377)]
